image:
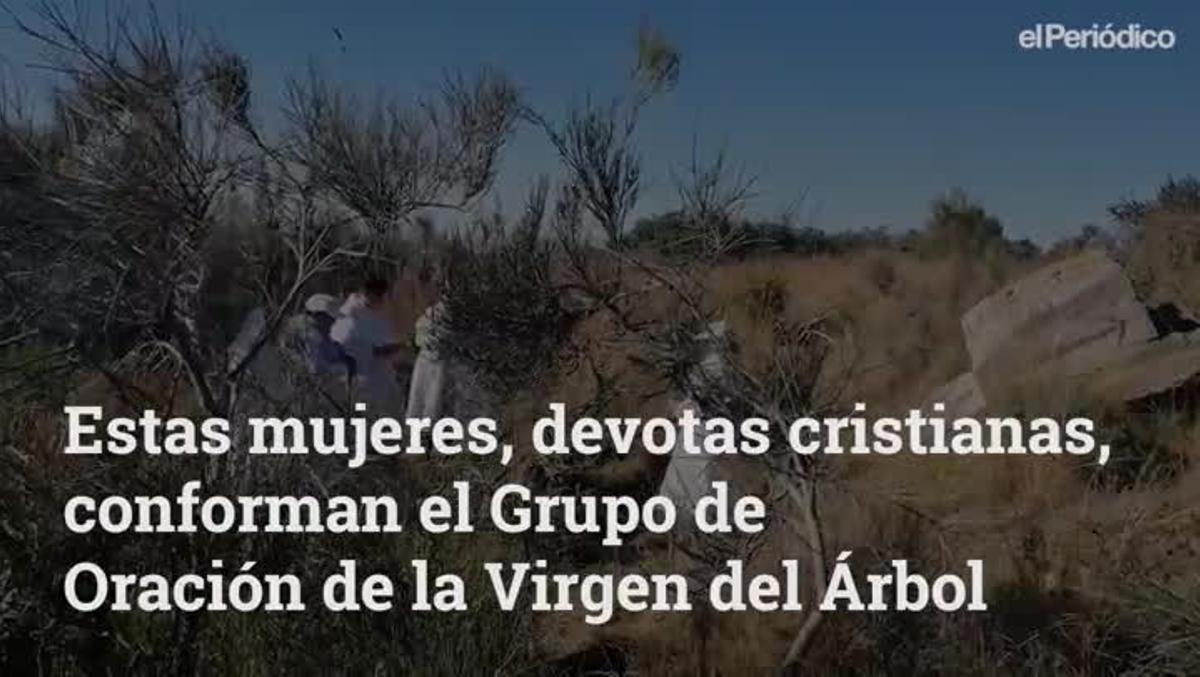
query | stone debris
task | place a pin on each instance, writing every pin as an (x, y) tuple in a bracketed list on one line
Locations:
[(961, 396), (1075, 322), (1081, 311)]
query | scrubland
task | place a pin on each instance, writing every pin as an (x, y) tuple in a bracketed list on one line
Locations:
[(151, 214), (1088, 571)]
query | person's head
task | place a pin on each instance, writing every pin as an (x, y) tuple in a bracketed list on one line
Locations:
[(375, 288), (322, 321), (321, 309)]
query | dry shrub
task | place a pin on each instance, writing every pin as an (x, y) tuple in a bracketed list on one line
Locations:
[(903, 343), (1073, 569), (1165, 261)]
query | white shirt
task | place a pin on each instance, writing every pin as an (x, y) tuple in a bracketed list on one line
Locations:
[(360, 330)]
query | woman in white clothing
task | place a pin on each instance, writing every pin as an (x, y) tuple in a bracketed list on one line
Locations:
[(688, 476), (429, 373), (367, 336)]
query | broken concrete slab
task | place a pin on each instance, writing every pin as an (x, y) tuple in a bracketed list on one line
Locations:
[(1081, 311), (1076, 324), (1156, 367), (962, 396)]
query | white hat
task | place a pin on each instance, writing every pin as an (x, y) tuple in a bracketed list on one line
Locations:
[(321, 303)]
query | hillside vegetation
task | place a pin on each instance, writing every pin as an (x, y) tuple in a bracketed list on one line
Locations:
[(144, 218)]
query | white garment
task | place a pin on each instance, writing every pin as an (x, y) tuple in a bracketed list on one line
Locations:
[(688, 476), (429, 372), (425, 391), (423, 332), (253, 325), (353, 303), (360, 330)]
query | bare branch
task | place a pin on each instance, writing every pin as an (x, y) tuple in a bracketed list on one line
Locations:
[(393, 159)]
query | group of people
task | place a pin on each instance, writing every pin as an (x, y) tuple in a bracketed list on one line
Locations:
[(352, 342), (349, 347)]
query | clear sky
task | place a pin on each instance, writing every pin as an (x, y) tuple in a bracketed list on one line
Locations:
[(869, 110)]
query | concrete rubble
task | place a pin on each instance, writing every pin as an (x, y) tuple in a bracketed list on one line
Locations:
[(1074, 323)]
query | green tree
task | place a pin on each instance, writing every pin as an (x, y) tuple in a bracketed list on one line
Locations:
[(959, 224)]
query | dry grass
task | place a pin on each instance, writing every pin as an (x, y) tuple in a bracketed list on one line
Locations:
[(1070, 560), (1084, 576), (1165, 263)]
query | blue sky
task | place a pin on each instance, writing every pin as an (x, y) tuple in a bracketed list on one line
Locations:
[(869, 111)]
